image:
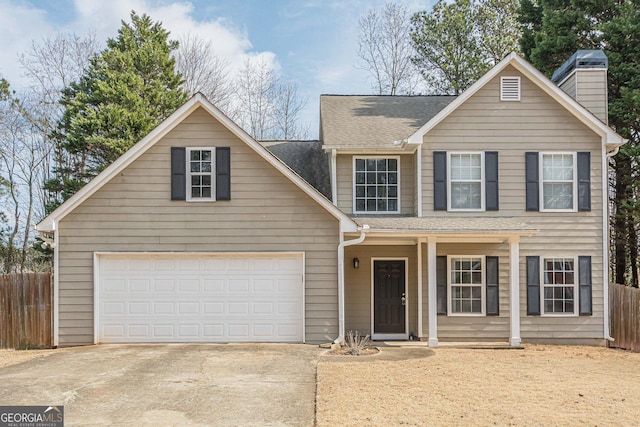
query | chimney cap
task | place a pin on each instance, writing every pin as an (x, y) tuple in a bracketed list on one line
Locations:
[(580, 59)]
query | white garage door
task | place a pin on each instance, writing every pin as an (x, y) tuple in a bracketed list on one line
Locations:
[(200, 298)]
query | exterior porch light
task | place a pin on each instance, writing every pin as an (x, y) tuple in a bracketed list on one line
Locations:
[(356, 263)]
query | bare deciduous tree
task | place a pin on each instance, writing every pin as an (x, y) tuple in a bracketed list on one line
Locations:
[(255, 85), (51, 65), (204, 71), (266, 106), (22, 160), (286, 112), (385, 50)]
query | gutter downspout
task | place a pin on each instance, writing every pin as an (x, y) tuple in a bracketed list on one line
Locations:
[(605, 226), (334, 184), (341, 247)]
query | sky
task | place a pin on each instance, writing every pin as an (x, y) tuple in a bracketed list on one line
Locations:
[(310, 42)]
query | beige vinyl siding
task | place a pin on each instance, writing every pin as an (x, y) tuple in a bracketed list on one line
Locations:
[(536, 123), (589, 88), (592, 91), (134, 212), (344, 178), (358, 284), (569, 85)]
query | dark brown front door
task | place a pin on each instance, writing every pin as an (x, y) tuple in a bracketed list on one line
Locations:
[(389, 297)]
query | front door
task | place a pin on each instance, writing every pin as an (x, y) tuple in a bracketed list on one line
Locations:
[(389, 297)]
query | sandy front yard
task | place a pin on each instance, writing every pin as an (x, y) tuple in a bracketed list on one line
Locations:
[(12, 357), (540, 385)]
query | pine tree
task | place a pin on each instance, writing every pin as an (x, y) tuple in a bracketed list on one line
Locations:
[(457, 42), (127, 90), (552, 31)]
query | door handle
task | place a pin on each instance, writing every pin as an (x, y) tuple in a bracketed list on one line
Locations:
[(403, 299)]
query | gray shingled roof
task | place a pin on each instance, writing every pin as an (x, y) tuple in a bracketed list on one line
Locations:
[(372, 120), (447, 225), (307, 159)]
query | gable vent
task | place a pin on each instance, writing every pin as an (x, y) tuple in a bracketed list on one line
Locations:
[(509, 88)]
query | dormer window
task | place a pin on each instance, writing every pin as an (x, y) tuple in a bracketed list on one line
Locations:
[(376, 184), (510, 88)]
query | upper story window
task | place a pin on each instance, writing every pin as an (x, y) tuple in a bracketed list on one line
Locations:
[(376, 184), (466, 181), (200, 174), (558, 181), (558, 176)]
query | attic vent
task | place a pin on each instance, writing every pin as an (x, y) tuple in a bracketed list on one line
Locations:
[(509, 88)]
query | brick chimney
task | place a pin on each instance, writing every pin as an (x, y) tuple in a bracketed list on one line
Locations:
[(584, 78)]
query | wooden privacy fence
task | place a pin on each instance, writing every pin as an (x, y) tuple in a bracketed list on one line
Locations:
[(26, 315), (624, 310)]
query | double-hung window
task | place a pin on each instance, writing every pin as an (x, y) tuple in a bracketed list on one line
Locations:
[(376, 184), (466, 285), (200, 174), (466, 181), (558, 183), (559, 286)]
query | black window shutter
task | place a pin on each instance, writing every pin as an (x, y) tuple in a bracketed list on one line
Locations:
[(584, 181), (533, 286), (493, 297), (533, 182), (584, 279), (223, 173), (439, 180), (178, 173), (441, 284), (491, 180)]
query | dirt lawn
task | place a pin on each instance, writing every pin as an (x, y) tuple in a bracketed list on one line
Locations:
[(540, 385), (12, 357)]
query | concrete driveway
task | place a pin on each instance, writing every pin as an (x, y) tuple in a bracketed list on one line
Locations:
[(209, 384)]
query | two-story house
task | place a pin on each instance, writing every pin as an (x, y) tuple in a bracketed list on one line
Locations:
[(481, 217)]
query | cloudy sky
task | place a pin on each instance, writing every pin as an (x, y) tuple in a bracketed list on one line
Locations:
[(311, 42)]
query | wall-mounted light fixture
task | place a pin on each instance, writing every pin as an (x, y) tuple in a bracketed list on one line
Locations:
[(356, 263)]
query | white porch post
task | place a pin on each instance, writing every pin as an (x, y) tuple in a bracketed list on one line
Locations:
[(433, 300), (514, 261), (420, 300)]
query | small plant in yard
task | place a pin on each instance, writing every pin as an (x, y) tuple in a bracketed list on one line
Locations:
[(356, 343)]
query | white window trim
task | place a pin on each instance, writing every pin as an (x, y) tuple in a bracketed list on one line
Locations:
[(542, 181), (502, 98), (483, 295), (482, 182), (188, 175), (353, 187), (576, 287)]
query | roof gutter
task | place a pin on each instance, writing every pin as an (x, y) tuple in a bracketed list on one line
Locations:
[(341, 247)]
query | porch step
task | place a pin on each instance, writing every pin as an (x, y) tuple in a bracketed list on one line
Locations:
[(500, 345)]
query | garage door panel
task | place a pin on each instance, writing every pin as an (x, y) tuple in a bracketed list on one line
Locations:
[(201, 298)]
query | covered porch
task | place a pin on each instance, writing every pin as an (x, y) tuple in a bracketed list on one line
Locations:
[(434, 279)]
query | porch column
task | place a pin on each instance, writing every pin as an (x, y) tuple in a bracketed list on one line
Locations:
[(514, 261), (420, 299), (433, 299)]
